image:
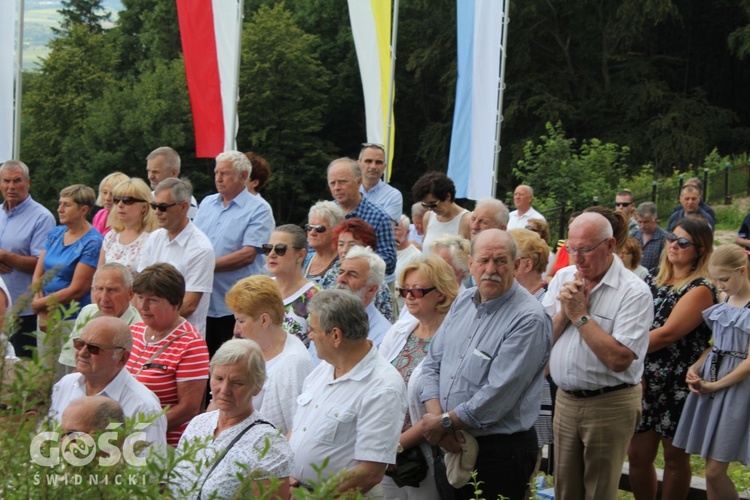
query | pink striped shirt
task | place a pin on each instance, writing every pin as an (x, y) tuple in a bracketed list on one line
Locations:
[(185, 359)]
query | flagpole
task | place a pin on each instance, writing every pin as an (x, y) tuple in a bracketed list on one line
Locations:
[(235, 105), (19, 87), (394, 33), (501, 89)]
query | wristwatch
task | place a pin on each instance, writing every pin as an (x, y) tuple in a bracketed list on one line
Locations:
[(446, 421), (584, 319), (400, 449)]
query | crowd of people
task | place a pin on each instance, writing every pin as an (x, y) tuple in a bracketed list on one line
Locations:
[(404, 353)]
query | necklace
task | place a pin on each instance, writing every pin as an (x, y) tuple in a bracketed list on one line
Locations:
[(154, 335), (276, 350)]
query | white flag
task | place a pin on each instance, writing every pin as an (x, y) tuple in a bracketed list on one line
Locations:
[(7, 43)]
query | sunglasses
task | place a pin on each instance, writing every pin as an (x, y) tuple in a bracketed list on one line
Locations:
[(94, 349), (623, 203), (417, 293), (162, 207), (430, 206), (372, 145), (318, 229), (127, 200), (280, 249), (683, 243)]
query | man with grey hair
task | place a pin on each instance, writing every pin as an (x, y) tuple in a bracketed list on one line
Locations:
[(362, 272), (101, 353), (690, 198), (24, 225), (373, 163), (352, 407), (522, 198), (238, 224), (416, 230), (344, 179), (163, 163), (489, 213), (649, 234), (111, 293), (179, 242), (483, 372), (601, 316), (90, 414)]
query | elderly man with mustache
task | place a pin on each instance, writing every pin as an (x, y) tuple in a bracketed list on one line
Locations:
[(483, 372)]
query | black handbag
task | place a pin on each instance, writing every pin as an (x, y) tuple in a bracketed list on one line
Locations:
[(411, 468)]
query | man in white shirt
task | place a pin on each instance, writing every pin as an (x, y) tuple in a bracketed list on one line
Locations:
[(601, 316), (163, 163), (180, 243), (352, 407), (101, 353), (373, 163), (522, 198)]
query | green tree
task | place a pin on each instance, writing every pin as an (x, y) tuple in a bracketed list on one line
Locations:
[(85, 12), (282, 94)]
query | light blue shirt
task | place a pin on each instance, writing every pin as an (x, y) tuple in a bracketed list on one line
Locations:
[(245, 221), (486, 361), (23, 231), (386, 197)]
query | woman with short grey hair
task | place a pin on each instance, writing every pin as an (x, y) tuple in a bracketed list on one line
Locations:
[(323, 217), (239, 442)]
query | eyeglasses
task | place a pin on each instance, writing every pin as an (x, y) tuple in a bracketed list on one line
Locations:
[(583, 251), (683, 243), (417, 293), (531, 228), (162, 207), (430, 206), (318, 229), (623, 203), (366, 145), (280, 249), (127, 200), (94, 349)]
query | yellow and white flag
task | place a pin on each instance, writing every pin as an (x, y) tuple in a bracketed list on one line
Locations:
[(371, 29)]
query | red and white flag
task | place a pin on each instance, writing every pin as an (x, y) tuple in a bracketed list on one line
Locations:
[(210, 31)]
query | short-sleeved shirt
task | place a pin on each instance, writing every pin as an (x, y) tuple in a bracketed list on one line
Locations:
[(23, 231), (245, 222), (386, 197), (193, 255), (66, 257), (355, 417), (622, 305), (185, 359), (134, 399), (516, 221), (381, 223), (244, 458)]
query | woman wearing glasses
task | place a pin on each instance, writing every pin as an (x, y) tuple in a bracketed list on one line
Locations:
[(285, 253), (429, 287), (169, 355), (132, 220), (678, 337), (101, 221), (437, 193), (323, 217)]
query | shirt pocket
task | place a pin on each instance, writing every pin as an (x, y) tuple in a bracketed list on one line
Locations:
[(303, 400), (335, 425), (475, 369)]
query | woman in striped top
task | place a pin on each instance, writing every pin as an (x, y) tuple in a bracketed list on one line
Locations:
[(169, 355)]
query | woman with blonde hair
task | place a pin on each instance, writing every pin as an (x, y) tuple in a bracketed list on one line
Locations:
[(678, 337), (101, 220), (259, 316), (429, 286), (131, 220)]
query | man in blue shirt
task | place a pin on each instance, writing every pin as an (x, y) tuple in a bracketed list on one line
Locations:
[(483, 372), (344, 179), (24, 225), (238, 224), (373, 163)]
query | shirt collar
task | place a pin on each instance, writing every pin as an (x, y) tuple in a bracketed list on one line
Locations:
[(18, 208), (240, 200), (492, 305), (115, 387)]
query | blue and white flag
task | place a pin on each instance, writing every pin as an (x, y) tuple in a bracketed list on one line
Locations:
[(7, 39), (472, 151)]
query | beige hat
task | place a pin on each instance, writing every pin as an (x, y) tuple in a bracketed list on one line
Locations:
[(460, 465)]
